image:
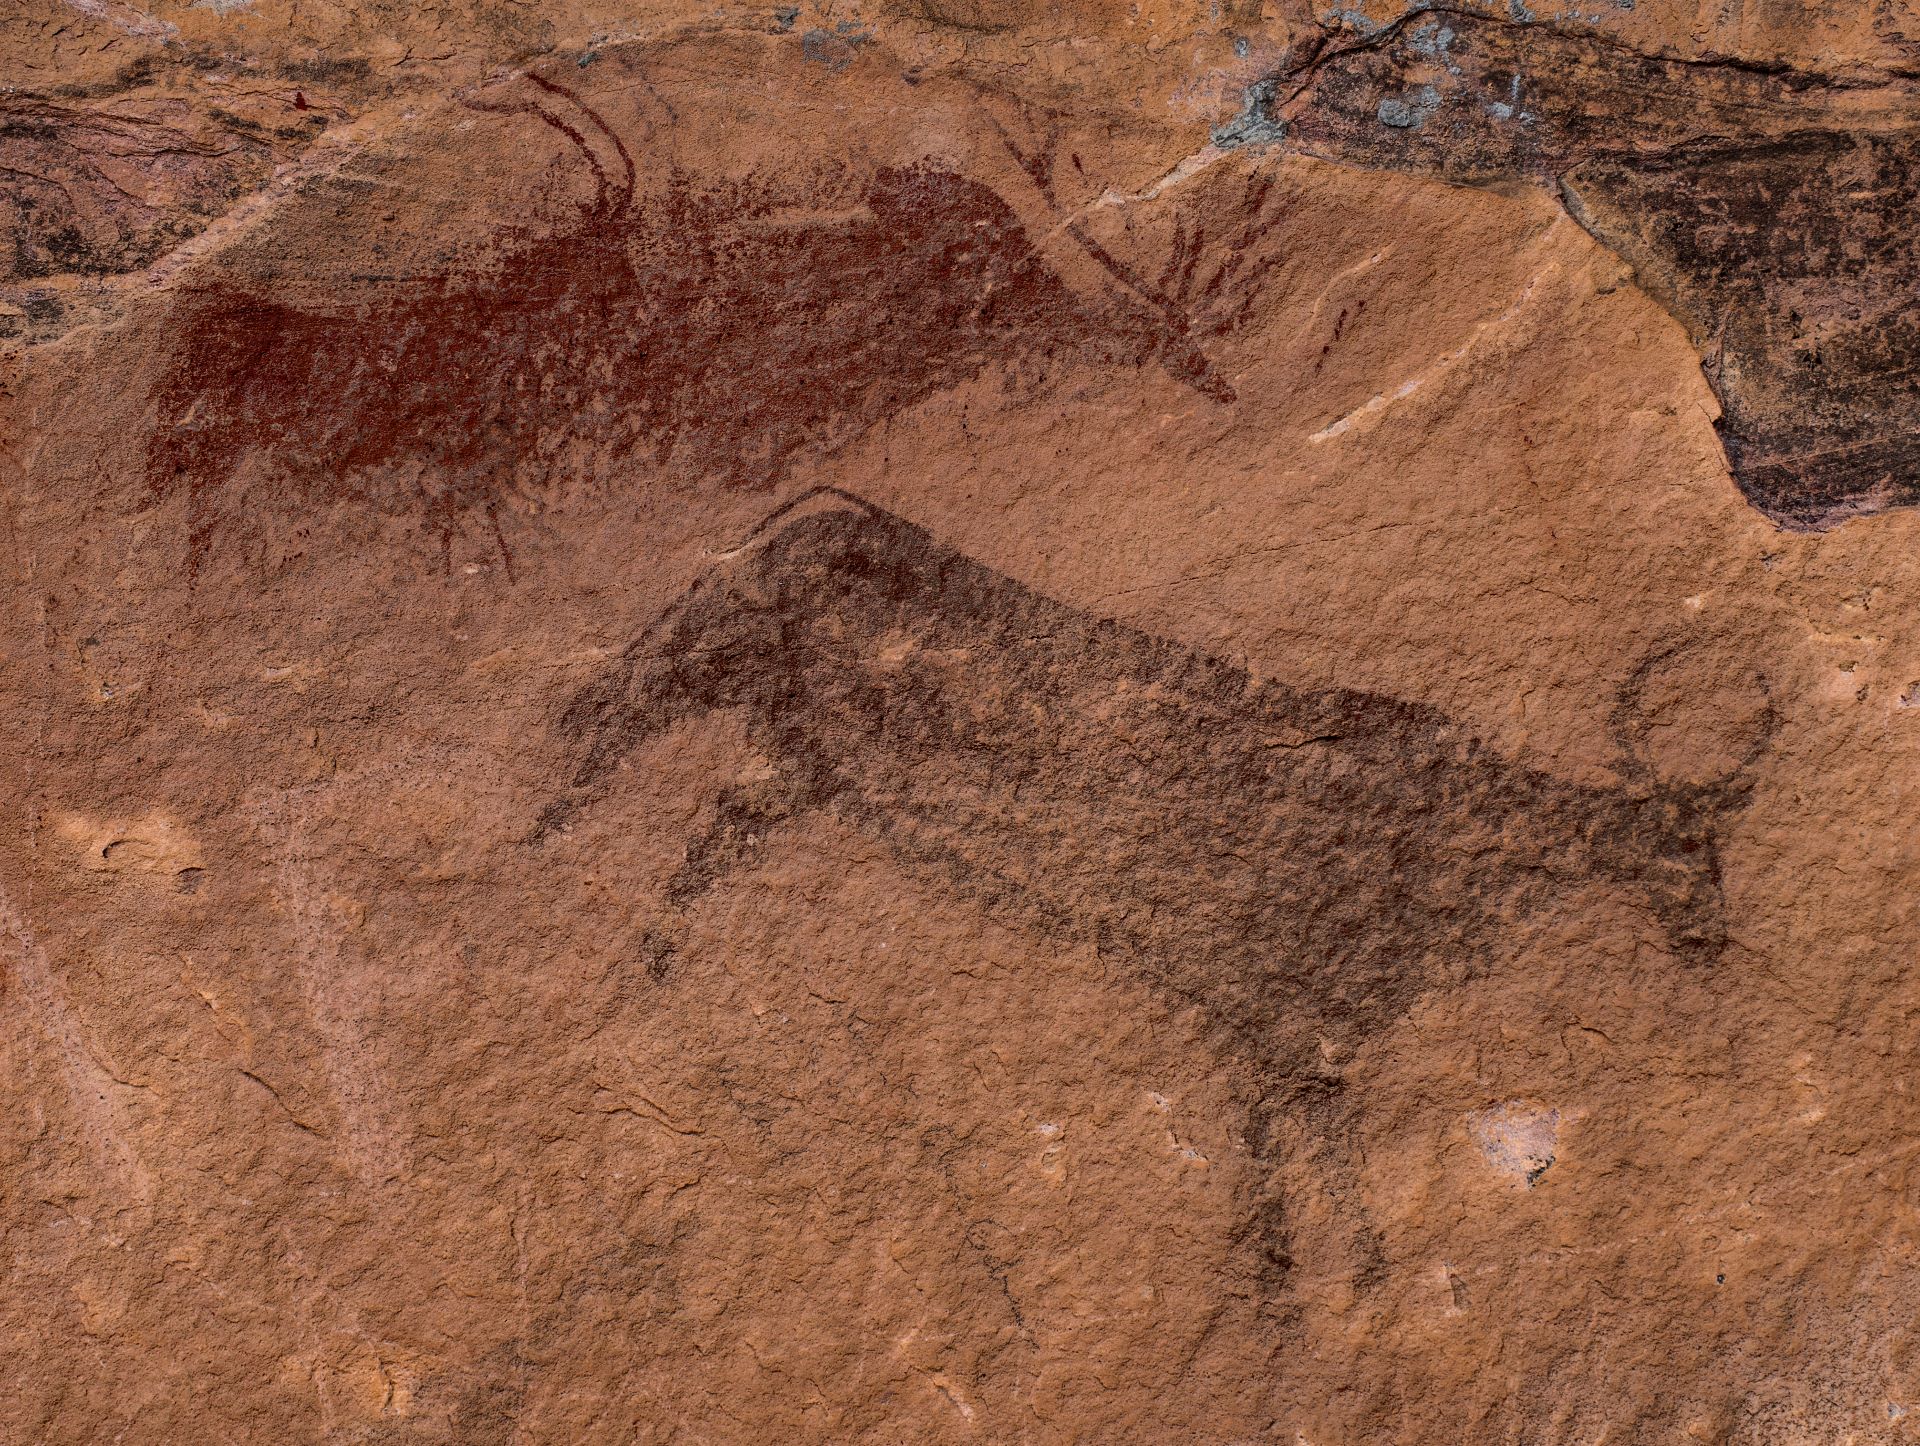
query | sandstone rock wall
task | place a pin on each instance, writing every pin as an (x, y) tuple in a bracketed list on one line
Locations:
[(956, 721)]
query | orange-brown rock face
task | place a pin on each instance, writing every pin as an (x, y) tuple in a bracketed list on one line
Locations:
[(958, 722)]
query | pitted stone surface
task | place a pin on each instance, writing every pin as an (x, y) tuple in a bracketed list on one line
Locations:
[(957, 722)]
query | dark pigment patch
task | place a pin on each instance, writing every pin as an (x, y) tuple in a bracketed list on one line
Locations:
[(693, 332), (1295, 866), (1779, 230)]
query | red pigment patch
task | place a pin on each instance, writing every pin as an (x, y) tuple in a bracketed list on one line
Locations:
[(703, 329)]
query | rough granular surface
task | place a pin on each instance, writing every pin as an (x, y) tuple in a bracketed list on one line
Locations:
[(949, 721)]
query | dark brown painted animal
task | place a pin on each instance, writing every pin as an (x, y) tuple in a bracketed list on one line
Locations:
[(1296, 865)]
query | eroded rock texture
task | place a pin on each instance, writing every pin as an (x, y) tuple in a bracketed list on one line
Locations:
[(958, 722)]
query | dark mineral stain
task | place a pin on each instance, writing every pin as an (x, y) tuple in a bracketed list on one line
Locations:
[(1797, 259), (834, 48), (68, 206), (1771, 210), (1297, 866)]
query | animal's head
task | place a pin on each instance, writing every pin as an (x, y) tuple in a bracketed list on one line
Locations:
[(817, 580)]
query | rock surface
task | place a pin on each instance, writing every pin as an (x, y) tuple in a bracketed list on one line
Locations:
[(957, 721)]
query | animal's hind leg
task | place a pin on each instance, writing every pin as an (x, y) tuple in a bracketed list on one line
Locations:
[(1307, 1221)]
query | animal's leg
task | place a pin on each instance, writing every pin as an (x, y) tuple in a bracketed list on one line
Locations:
[(744, 819), (1308, 1223)]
